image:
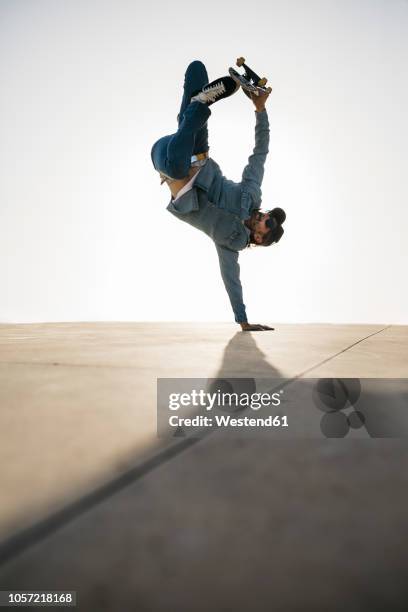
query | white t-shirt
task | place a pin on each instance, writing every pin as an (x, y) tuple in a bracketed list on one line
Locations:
[(187, 186)]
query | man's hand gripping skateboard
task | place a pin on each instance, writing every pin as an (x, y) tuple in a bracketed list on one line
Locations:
[(252, 85)]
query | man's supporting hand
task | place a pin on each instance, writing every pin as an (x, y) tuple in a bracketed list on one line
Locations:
[(255, 327), (259, 101)]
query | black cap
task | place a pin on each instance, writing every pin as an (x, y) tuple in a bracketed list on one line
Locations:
[(278, 214)]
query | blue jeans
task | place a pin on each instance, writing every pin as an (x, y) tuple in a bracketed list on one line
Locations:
[(171, 154)]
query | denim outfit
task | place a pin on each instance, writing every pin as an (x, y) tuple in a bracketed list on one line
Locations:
[(215, 205)]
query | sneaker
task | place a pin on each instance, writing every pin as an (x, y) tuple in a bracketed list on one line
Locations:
[(216, 90)]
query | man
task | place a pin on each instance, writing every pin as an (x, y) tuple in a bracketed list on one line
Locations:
[(229, 213)]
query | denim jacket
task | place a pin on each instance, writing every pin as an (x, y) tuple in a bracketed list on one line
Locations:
[(218, 207)]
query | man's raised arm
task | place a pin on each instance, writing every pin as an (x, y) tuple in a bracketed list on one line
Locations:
[(253, 173)]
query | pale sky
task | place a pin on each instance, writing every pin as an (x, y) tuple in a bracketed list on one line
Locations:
[(88, 86)]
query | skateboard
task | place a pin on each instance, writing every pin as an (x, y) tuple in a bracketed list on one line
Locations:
[(250, 82)]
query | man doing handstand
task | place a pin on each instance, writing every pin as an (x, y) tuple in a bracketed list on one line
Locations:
[(228, 212)]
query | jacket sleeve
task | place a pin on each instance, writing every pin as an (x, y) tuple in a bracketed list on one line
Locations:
[(253, 173), (229, 268)]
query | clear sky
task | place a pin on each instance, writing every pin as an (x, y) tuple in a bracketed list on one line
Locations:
[(88, 86)]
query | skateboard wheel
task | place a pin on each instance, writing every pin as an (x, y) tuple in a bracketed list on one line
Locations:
[(240, 61), (269, 89), (262, 82)]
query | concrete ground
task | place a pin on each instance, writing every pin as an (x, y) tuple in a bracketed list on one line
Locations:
[(93, 501)]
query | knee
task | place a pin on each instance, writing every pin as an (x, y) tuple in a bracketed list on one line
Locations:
[(195, 64), (196, 67)]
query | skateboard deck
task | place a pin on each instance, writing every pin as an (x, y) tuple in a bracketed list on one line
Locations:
[(250, 82)]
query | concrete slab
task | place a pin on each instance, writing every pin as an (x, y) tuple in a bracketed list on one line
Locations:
[(176, 349), (225, 524), (383, 355), (78, 401), (240, 525), (64, 429)]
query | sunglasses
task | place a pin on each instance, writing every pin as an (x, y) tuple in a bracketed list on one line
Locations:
[(271, 222)]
